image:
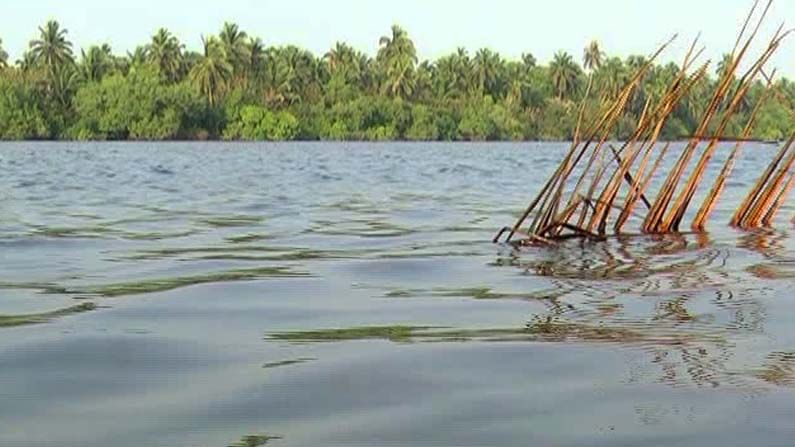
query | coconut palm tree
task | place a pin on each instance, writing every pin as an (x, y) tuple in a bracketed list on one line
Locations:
[(528, 61), (165, 52), (634, 64), (453, 76), (611, 76), (344, 61), (235, 45), (659, 80), (368, 76), (212, 73), (26, 63), (137, 56), (465, 69), (338, 56), (445, 78), (564, 73), (487, 67), (95, 63), (516, 73), (724, 65), (592, 56), (52, 50), (695, 102), (3, 56), (303, 67), (424, 81), (256, 54), (397, 58), (64, 85), (277, 78)]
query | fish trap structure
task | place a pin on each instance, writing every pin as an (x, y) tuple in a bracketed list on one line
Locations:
[(599, 185)]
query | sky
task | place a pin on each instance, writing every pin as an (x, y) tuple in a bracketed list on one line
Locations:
[(437, 27)]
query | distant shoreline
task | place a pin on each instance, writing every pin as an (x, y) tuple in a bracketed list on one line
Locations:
[(240, 89)]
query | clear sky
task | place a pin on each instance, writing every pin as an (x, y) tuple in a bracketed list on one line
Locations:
[(437, 26)]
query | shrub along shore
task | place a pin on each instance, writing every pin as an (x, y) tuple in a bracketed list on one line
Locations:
[(237, 88)]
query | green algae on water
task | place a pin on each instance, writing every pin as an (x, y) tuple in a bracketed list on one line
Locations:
[(231, 221), (155, 236), (254, 440), (539, 329), (288, 362), (360, 228), (391, 333), (245, 252), (249, 237), (166, 284), (97, 231), (44, 317), (400, 334), (478, 293), (287, 255)]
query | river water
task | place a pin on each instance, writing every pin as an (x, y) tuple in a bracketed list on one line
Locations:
[(207, 294)]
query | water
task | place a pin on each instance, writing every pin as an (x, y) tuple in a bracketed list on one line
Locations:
[(348, 294)]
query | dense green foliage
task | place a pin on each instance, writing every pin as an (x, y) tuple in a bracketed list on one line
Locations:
[(237, 88)]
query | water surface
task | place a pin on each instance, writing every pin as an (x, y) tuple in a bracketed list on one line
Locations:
[(209, 294)]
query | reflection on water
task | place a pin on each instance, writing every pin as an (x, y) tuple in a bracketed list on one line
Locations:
[(779, 369), (349, 295), (675, 296)]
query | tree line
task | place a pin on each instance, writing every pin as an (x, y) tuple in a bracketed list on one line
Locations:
[(237, 88)]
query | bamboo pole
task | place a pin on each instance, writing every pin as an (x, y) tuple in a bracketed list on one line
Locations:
[(770, 193), (767, 220), (709, 203), (654, 221), (683, 200), (629, 207), (742, 212)]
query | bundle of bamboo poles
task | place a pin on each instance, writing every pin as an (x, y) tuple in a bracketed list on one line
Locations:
[(769, 192), (598, 185)]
